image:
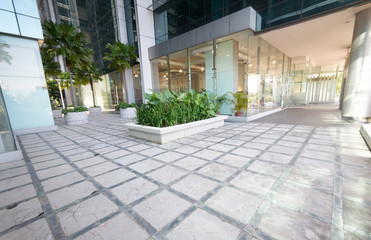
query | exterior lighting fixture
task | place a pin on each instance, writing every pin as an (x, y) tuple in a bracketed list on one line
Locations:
[(250, 65), (136, 75), (164, 76), (180, 70), (274, 61), (228, 55), (202, 69)]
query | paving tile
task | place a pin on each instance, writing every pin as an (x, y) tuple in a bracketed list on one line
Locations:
[(285, 224), (357, 215), (106, 150), (112, 178), (294, 139), (88, 162), (61, 181), (217, 171), (318, 147), (207, 154), (36, 230), (254, 182), (14, 164), (317, 180), (80, 156), (235, 204), (116, 154), (309, 163), (187, 149), (119, 227), (53, 171), (138, 147), (85, 213), (15, 182), (234, 160), (290, 144), (167, 174), (194, 186), (285, 150), (47, 164), (70, 194), (100, 168), (214, 139), (169, 156), (203, 226), (309, 200), (202, 144), (276, 157), (150, 152), (263, 140), (267, 168), (170, 146), (127, 144), (134, 190), (357, 189), (129, 159), (40, 153), (20, 213), (233, 142), (161, 209), (254, 145), (145, 166), (190, 163), (222, 147), (357, 172), (16, 195), (246, 152), (13, 172), (318, 155)]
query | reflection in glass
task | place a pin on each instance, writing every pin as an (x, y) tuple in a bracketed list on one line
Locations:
[(137, 84), (30, 27), (7, 143), (8, 23), (26, 7)]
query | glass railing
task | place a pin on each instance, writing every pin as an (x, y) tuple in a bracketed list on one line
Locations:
[(7, 143)]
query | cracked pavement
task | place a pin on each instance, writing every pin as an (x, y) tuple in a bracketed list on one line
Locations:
[(280, 177)]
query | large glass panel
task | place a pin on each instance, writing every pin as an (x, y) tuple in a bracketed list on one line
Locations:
[(8, 23), (178, 71), (137, 84), (26, 7), (160, 74), (30, 27), (118, 93), (7, 143), (7, 5)]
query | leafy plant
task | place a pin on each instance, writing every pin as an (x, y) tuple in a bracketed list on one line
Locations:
[(125, 105), (219, 101), (239, 101), (75, 109), (170, 109)]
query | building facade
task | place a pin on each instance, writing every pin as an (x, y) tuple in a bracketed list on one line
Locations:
[(24, 99)]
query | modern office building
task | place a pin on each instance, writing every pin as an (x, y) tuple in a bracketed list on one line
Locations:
[(24, 99), (278, 53)]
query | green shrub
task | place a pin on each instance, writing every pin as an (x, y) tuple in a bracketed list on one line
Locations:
[(126, 105), (76, 109), (170, 109)]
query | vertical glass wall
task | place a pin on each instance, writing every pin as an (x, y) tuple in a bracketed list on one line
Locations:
[(7, 143), (238, 63), (137, 84)]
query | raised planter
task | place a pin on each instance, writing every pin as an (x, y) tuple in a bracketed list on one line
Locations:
[(76, 118), (57, 113), (167, 134), (95, 110), (130, 112)]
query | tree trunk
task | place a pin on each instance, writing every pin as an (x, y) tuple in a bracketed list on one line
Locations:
[(92, 91), (73, 95), (124, 86)]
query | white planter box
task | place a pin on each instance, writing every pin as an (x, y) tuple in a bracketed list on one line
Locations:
[(95, 110), (167, 134), (76, 118), (128, 112), (57, 113)]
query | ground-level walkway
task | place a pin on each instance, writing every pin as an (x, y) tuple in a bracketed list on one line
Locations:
[(268, 179)]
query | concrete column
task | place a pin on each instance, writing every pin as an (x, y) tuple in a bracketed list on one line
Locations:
[(357, 94), (146, 39)]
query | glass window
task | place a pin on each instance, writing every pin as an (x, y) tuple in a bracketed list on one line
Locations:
[(178, 72), (26, 7), (7, 5), (30, 27), (137, 84), (8, 23)]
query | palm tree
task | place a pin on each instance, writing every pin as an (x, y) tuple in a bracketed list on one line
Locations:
[(87, 74), (119, 57), (65, 41)]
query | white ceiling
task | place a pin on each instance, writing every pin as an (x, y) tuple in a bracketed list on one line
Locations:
[(324, 40)]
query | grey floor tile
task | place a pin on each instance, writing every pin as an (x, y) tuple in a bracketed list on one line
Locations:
[(194, 186), (217, 171), (167, 174)]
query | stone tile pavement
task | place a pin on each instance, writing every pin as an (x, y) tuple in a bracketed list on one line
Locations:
[(241, 181)]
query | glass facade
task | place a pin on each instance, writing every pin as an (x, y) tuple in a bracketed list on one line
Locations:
[(241, 62), (7, 143), (20, 17), (175, 17)]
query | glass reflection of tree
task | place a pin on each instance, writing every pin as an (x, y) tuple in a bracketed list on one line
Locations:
[(4, 55)]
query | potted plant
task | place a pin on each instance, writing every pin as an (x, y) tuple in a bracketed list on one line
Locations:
[(57, 112), (95, 110), (239, 101), (127, 110), (76, 116), (219, 101)]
